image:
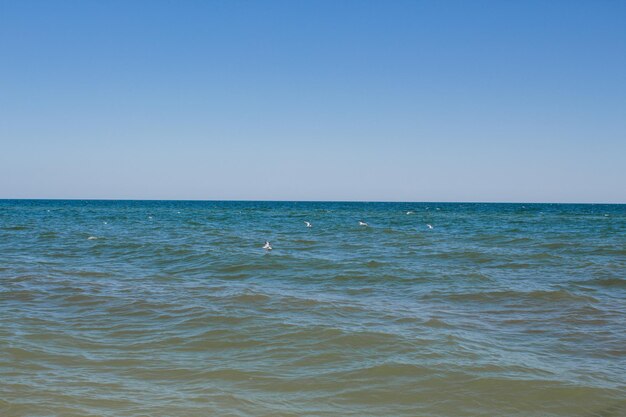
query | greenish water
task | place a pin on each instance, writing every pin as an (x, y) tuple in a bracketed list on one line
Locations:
[(125, 308)]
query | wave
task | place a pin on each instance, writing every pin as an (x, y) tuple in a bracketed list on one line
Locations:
[(474, 256), (605, 282), (16, 228), (518, 296), (488, 315)]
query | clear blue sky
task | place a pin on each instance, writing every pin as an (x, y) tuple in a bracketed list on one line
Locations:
[(314, 100)]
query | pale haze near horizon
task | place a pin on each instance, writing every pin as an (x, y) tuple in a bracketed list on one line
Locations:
[(314, 100)]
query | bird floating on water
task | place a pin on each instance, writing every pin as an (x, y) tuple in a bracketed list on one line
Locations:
[(267, 246), (92, 238), (409, 212), (308, 224), (363, 223), (430, 226)]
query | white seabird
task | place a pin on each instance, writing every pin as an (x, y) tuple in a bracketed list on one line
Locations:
[(430, 226), (363, 223), (267, 246), (308, 224)]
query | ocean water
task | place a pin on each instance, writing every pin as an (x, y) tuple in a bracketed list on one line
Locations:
[(167, 308)]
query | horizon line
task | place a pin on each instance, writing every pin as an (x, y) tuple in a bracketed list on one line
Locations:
[(310, 201)]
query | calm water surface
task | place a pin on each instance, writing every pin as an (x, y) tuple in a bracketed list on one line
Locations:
[(123, 308)]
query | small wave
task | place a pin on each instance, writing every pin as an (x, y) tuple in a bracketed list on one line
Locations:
[(366, 277), (251, 298), (538, 295), (19, 295), (392, 369), (436, 323), (476, 276), (15, 228), (512, 265), (478, 257), (87, 273), (487, 238), (557, 245), (608, 251), (517, 240), (305, 241), (363, 339), (240, 268), (605, 282), (374, 264)]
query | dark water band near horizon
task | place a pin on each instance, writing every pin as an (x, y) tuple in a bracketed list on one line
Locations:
[(172, 308)]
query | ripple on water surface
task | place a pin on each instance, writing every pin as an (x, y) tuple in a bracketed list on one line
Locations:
[(176, 310)]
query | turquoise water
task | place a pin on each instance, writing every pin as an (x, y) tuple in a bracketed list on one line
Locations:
[(166, 308)]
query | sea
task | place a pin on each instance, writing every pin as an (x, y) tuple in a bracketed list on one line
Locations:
[(174, 309)]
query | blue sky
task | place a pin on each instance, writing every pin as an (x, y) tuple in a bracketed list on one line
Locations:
[(314, 100)]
